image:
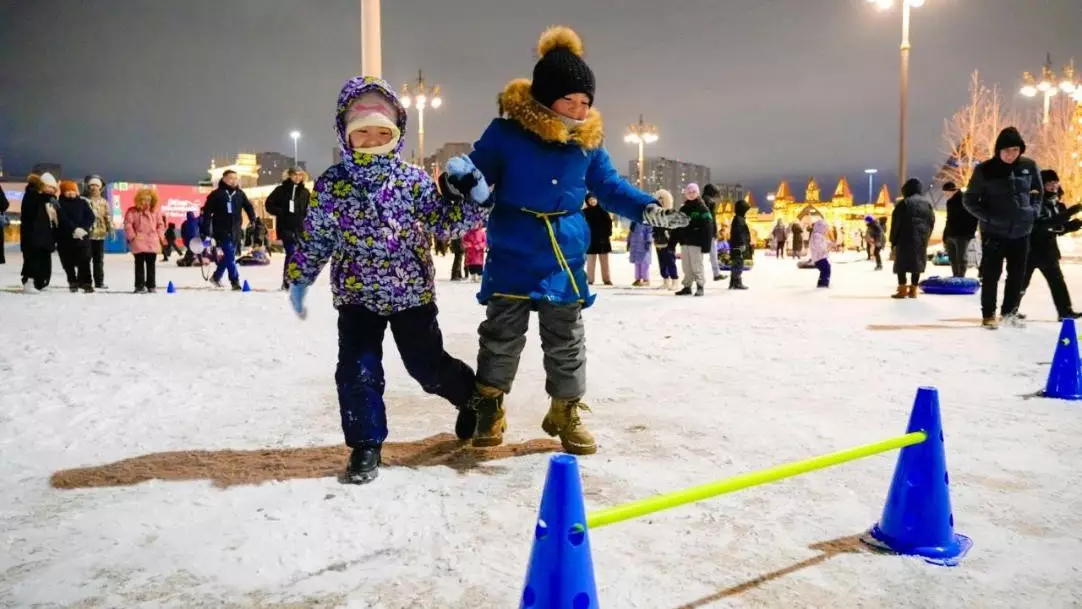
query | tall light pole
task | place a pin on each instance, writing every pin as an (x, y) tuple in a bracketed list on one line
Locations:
[(371, 49), (640, 133), (296, 135), (871, 184), (418, 97), (905, 48), (1050, 85)]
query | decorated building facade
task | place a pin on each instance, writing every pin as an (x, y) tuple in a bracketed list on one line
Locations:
[(839, 210)]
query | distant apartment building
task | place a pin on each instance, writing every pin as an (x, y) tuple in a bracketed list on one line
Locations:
[(273, 166), (445, 153), (670, 174)]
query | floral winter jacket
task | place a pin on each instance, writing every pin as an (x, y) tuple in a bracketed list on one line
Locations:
[(371, 215)]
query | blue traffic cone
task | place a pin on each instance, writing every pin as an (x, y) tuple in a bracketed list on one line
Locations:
[(1065, 378), (170, 289), (561, 571), (245, 287), (917, 518)]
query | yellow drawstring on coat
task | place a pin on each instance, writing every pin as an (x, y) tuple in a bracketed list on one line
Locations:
[(560, 259)]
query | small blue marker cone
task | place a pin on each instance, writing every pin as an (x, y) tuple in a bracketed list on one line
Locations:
[(917, 518), (170, 289), (245, 287), (1065, 378), (561, 571)]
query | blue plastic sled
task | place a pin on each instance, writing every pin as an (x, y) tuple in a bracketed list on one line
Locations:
[(950, 285)]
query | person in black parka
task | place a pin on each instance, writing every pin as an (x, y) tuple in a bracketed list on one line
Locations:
[(3, 223), (75, 221), (739, 245), (960, 229), (221, 219), (1004, 195), (37, 231), (600, 223), (1053, 219), (288, 203), (910, 229)]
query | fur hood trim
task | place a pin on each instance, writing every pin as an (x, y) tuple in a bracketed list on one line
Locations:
[(142, 192), (518, 105)]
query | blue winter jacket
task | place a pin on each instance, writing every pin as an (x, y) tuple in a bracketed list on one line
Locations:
[(189, 229), (540, 172)]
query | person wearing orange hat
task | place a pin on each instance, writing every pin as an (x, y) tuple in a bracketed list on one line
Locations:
[(76, 219)]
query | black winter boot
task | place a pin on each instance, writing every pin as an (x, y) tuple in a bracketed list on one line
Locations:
[(235, 285), (363, 465), (684, 292), (466, 422)]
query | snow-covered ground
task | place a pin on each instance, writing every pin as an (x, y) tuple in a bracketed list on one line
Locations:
[(683, 391)]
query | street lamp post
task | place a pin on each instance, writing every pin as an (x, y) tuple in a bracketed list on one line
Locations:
[(296, 135), (871, 184), (371, 49), (905, 48), (640, 133), (418, 97), (1048, 85)]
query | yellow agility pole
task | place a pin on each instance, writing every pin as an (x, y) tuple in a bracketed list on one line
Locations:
[(657, 503)]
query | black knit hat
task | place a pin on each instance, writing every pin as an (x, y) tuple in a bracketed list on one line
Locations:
[(950, 187), (1049, 175), (912, 187), (561, 70), (1010, 138)]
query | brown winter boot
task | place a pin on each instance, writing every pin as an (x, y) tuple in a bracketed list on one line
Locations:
[(912, 291), (487, 402), (903, 292), (563, 420)]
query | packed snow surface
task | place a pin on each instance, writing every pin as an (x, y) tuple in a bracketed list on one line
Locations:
[(684, 391)]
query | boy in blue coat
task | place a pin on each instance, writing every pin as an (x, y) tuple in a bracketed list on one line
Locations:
[(543, 155)]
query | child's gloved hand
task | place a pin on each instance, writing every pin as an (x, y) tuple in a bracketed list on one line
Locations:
[(79, 233), (464, 176), (297, 294), (656, 215)]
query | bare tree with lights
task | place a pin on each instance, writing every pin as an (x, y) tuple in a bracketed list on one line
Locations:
[(1057, 145), (969, 136)]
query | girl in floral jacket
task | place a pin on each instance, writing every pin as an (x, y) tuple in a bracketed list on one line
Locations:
[(371, 215)]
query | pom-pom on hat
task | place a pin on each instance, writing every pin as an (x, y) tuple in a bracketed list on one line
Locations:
[(560, 70)]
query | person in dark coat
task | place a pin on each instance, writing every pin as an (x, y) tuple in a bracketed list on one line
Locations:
[(739, 245), (3, 223), (37, 231), (911, 227), (600, 223), (695, 240), (75, 221), (1053, 219), (960, 229), (876, 240), (797, 230), (456, 263), (222, 222), (665, 245), (712, 198), (1004, 195), (170, 242), (288, 203)]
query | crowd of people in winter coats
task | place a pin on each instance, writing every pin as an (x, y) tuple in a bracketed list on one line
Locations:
[(60, 217)]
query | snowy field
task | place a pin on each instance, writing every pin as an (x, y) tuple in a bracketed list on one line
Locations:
[(124, 389)]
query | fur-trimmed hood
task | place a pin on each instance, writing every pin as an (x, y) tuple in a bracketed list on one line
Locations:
[(518, 105), (143, 192)]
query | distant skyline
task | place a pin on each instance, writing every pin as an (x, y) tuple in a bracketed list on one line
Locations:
[(758, 90)]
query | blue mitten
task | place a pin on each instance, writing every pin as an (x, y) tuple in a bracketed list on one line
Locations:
[(466, 177), (297, 294)]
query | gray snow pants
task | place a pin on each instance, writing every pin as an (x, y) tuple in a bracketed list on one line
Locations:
[(563, 340)]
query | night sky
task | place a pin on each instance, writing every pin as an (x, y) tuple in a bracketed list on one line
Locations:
[(146, 90)]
